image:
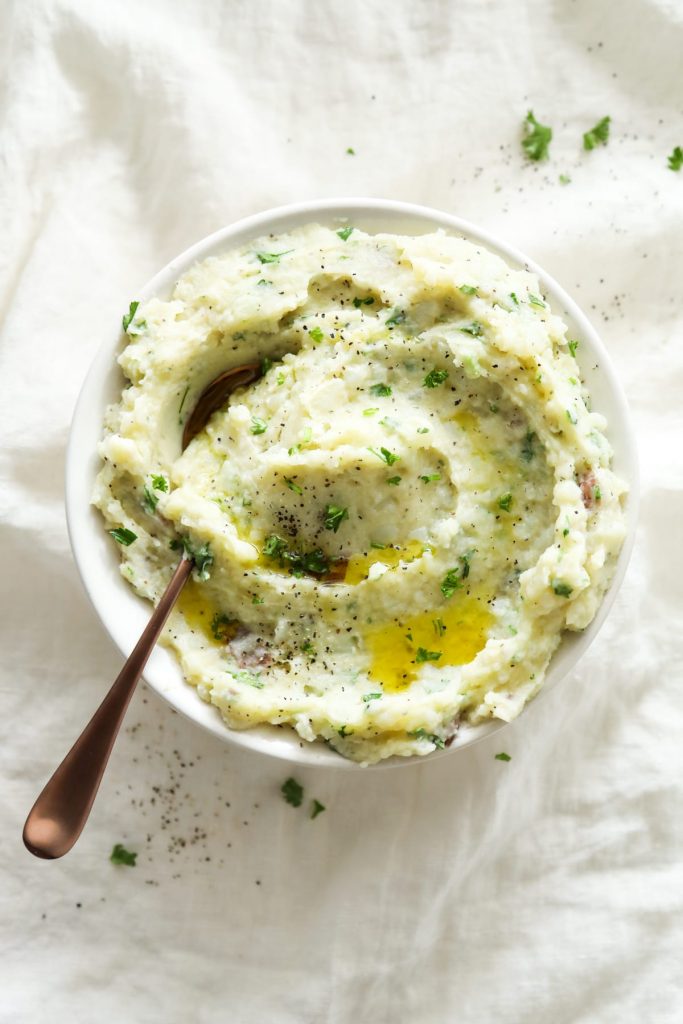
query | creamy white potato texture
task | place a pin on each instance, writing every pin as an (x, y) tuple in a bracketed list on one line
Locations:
[(397, 521)]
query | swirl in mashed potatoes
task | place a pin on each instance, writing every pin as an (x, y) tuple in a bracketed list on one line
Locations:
[(398, 520)]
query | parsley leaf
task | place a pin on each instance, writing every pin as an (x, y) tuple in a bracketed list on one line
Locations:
[(220, 627), (367, 301), (503, 757), (258, 426), (344, 233), (159, 482), (675, 161), (370, 696), (598, 134), (385, 455), (334, 517), (272, 257), (397, 317), (350, 150), (565, 179), (562, 589), (127, 321), (468, 289), (274, 546), (422, 734), (528, 446), (317, 808), (123, 536), (434, 378), (534, 300), (380, 390), (572, 346), (475, 329), (424, 655), (292, 485), (202, 556), (120, 855), (429, 478), (505, 502), (316, 334), (394, 481), (452, 581), (536, 139), (149, 500), (293, 792)]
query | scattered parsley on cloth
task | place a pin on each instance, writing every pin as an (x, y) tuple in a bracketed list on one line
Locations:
[(120, 855), (597, 135), (537, 138)]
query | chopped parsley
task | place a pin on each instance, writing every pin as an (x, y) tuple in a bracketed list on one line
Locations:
[(598, 134), (675, 161), (149, 500), (221, 627), (350, 151), (127, 321), (572, 346), (430, 478), (345, 233), (120, 855), (343, 732), (182, 403), (394, 481), (424, 655), (564, 179), (334, 516), (534, 300), (562, 589), (397, 317), (528, 446), (266, 364), (257, 600), (280, 379), (274, 546), (468, 289), (316, 334), (201, 556), (370, 412), (123, 536), (452, 581), (292, 485), (293, 792), (422, 734), (367, 697), (307, 647), (505, 502), (514, 298), (159, 482), (423, 430), (475, 329), (316, 807), (258, 426), (537, 138), (385, 455), (434, 378), (571, 417), (380, 390), (503, 756), (368, 301), (313, 563), (272, 257)]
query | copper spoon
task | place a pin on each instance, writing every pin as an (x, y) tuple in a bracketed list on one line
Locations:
[(58, 816)]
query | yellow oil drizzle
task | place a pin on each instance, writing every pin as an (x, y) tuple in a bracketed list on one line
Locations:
[(458, 630), (199, 611), (359, 565)]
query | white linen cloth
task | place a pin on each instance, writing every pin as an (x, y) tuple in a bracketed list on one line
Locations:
[(549, 888)]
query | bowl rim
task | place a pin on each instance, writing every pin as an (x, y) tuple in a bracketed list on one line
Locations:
[(81, 462)]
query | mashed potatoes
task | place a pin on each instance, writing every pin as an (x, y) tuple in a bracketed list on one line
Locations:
[(394, 525)]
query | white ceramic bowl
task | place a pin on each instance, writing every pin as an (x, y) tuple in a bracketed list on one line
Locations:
[(124, 615)]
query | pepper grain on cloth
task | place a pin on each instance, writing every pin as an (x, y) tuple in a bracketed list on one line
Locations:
[(548, 887)]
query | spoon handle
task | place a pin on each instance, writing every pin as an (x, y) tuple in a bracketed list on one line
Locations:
[(57, 818)]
